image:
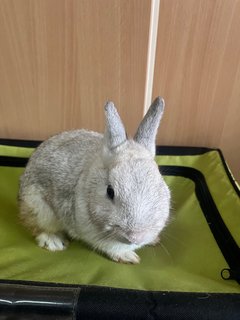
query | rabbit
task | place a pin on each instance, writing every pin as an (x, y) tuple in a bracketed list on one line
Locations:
[(105, 190)]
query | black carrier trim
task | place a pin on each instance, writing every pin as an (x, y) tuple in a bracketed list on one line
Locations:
[(17, 162), (33, 300), (20, 143), (181, 151)]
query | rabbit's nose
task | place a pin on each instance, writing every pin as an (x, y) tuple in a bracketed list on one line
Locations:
[(136, 237)]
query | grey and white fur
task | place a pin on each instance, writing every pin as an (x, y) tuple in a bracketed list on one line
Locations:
[(105, 190)]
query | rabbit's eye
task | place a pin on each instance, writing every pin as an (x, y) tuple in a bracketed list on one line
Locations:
[(110, 192)]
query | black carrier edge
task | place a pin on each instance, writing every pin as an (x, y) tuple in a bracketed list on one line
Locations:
[(20, 143), (35, 300), (25, 300)]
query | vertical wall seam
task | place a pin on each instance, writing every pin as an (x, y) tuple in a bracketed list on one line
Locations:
[(152, 46)]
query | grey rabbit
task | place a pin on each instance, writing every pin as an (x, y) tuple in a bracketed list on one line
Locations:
[(105, 190)]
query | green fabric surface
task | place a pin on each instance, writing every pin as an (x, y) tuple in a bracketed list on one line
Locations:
[(188, 258)]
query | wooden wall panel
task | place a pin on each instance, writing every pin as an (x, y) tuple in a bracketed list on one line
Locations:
[(197, 71), (61, 60)]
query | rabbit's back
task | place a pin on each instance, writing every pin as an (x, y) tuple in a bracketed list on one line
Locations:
[(56, 165)]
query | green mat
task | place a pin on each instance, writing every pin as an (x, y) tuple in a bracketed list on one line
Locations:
[(187, 260)]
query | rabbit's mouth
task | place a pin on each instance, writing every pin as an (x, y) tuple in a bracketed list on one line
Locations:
[(135, 238), (131, 237), (122, 239)]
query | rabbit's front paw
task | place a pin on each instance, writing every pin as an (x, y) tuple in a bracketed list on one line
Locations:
[(127, 257), (52, 242)]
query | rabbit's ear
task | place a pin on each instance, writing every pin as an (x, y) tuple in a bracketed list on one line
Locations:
[(147, 130), (115, 133)]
